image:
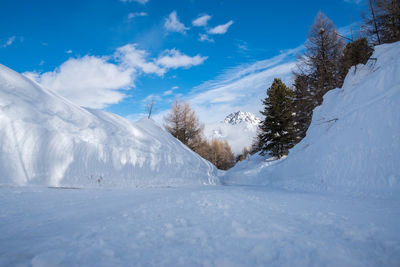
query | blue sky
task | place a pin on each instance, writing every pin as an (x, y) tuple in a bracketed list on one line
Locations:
[(117, 55)]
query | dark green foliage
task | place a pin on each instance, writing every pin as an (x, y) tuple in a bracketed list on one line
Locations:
[(277, 133), (357, 52), (303, 105)]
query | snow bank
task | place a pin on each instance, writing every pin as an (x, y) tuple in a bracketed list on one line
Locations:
[(353, 143), (47, 140)]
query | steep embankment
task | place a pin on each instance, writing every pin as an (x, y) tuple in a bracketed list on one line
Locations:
[(353, 143), (47, 140)]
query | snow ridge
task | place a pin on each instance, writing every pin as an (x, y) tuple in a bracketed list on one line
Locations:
[(47, 140)]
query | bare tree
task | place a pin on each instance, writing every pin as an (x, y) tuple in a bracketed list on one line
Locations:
[(149, 108), (183, 124), (319, 70), (382, 22)]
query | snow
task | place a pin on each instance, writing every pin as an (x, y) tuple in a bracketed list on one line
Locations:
[(353, 143), (47, 140), (195, 226), (238, 128)]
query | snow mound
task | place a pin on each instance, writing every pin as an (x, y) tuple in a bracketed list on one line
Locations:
[(47, 140), (353, 143), (238, 128)]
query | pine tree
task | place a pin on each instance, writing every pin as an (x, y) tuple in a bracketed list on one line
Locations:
[(303, 105), (356, 52), (277, 133)]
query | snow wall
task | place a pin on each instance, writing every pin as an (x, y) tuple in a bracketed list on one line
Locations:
[(353, 143), (47, 140)]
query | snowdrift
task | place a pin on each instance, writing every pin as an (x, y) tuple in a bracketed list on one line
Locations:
[(47, 140), (353, 143)]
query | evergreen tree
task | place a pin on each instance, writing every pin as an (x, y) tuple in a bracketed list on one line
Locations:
[(303, 105), (277, 133), (356, 52)]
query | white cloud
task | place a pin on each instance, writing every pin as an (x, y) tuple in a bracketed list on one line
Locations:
[(201, 21), (172, 23), (138, 1), (136, 14), (96, 82), (9, 41), (221, 29), (170, 91), (88, 81), (175, 59), (242, 87), (132, 57), (205, 37), (68, 51)]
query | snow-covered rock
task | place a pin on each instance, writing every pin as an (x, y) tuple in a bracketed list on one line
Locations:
[(239, 117), (238, 128), (353, 143), (47, 140)]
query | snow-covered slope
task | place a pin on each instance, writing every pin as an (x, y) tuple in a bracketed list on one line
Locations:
[(47, 140), (238, 128), (353, 143)]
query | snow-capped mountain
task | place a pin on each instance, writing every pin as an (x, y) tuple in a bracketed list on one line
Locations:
[(242, 117), (353, 143), (47, 140), (238, 128)]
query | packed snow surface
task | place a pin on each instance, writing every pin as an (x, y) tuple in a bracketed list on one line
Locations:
[(47, 140), (353, 143), (238, 128), (195, 226)]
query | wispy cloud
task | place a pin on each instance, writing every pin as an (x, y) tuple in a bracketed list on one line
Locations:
[(201, 21), (9, 41), (242, 87), (68, 51), (353, 1), (175, 59), (136, 14), (172, 23), (170, 91), (221, 29), (137, 1), (205, 38)]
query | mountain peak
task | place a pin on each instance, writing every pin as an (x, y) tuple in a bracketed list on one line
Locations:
[(242, 117)]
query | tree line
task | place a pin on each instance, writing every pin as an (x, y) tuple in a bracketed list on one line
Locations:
[(183, 124), (323, 67)]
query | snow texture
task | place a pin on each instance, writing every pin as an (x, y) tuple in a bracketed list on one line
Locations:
[(353, 143), (238, 128), (195, 226), (47, 140)]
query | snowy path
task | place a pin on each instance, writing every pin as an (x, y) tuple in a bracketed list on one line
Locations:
[(195, 226)]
